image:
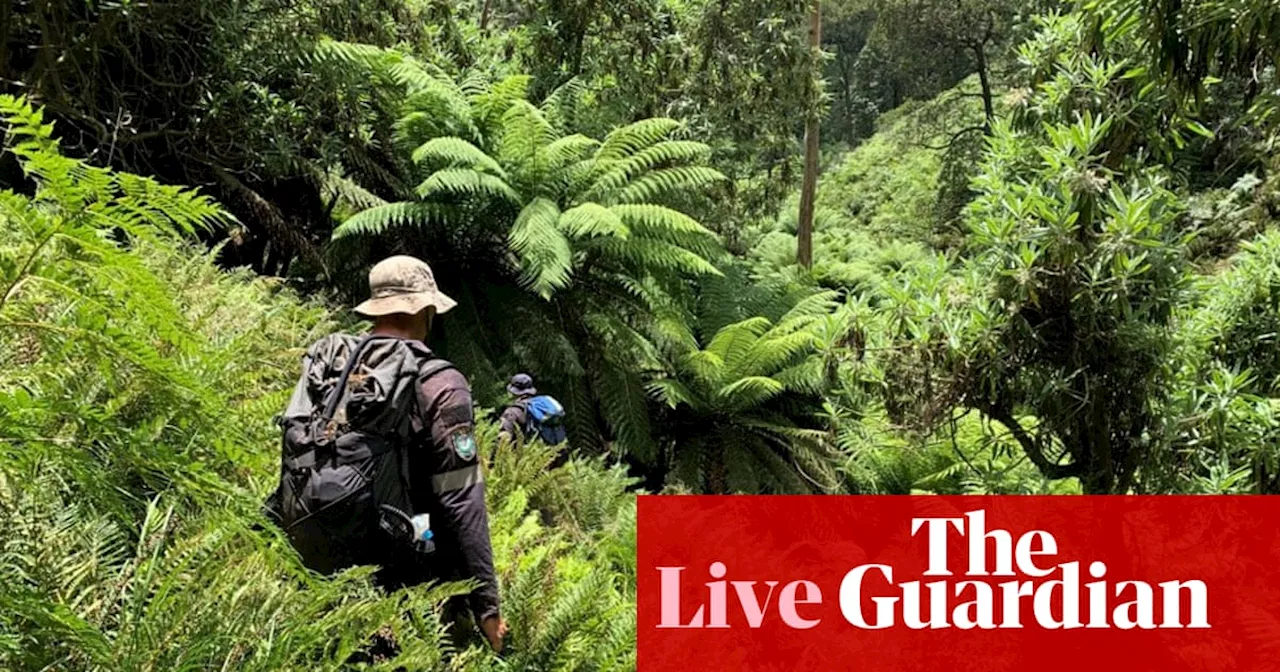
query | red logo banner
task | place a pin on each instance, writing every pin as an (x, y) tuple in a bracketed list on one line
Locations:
[(958, 583)]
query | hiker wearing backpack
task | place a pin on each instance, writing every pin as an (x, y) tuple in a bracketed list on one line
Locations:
[(530, 414), (378, 462)]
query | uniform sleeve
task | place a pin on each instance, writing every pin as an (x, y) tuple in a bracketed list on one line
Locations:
[(453, 487), (512, 421)]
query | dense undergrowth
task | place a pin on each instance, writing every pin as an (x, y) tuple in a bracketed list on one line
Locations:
[(138, 383), (1056, 272)]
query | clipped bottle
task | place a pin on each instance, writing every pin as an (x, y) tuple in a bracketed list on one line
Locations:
[(423, 537)]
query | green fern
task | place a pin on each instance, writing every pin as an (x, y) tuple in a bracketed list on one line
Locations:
[(740, 400)]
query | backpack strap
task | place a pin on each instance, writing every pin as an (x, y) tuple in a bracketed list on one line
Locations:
[(530, 423), (428, 368), (331, 406), (433, 366)]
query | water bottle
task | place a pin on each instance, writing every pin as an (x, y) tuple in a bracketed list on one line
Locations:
[(422, 535)]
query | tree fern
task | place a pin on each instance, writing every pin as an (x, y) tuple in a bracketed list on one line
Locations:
[(737, 399)]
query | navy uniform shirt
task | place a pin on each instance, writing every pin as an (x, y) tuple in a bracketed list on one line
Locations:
[(446, 482)]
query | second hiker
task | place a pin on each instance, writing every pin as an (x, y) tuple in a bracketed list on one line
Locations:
[(529, 414)]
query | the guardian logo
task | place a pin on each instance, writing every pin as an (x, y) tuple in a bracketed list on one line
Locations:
[(1040, 592)]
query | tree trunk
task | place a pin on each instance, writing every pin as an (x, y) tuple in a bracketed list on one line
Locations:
[(5, 27), (804, 229), (484, 14), (988, 107)]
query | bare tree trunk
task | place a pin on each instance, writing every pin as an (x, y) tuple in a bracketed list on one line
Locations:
[(804, 229), (484, 14), (988, 106), (984, 70)]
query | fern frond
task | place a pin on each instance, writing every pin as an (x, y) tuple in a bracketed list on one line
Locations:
[(707, 366), (634, 137), (623, 402), (466, 182), (805, 311), (570, 612), (524, 131), (735, 341), (496, 97), (350, 54), (562, 151), (611, 174), (560, 106), (807, 377), (457, 153), (769, 354), (474, 83), (591, 220), (348, 191), (656, 184), (384, 218), (542, 248), (662, 222), (672, 392), (653, 255), (749, 391)]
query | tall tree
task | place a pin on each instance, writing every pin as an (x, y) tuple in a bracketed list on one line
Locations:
[(804, 230)]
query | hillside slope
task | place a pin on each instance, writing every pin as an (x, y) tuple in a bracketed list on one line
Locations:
[(137, 389)]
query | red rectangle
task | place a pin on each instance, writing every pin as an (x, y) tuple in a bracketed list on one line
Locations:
[(1218, 559)]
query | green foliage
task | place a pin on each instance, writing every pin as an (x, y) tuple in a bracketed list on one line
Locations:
[(226, 95), (1064, 312), (1069, 320), (1025, 284), (137, 387), (1222, 429), (879, 204), (739, 406), (1204, 37), (592, 229)]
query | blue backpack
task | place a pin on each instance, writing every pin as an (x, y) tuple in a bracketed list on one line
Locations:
[(546, 417)]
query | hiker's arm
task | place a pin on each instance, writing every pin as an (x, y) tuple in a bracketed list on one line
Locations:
[(512, 421), (459, 490)]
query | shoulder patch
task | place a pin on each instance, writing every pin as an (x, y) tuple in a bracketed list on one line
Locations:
[(464, 445)]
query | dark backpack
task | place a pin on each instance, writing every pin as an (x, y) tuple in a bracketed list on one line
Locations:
[(545, 417), (344, 486)]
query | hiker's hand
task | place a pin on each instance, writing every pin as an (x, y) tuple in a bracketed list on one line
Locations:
[(495, 629)]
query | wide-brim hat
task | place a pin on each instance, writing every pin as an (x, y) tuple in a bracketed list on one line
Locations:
[(403, 284), (521, 384)]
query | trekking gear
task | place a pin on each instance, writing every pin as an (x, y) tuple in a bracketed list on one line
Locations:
[(344, 485), (521, 385), (403, 284), (416, 529), (545, 417)]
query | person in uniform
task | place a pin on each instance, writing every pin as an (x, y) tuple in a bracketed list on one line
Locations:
[(444, 470)]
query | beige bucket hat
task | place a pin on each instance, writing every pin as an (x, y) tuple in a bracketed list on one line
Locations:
[(403, 284)]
